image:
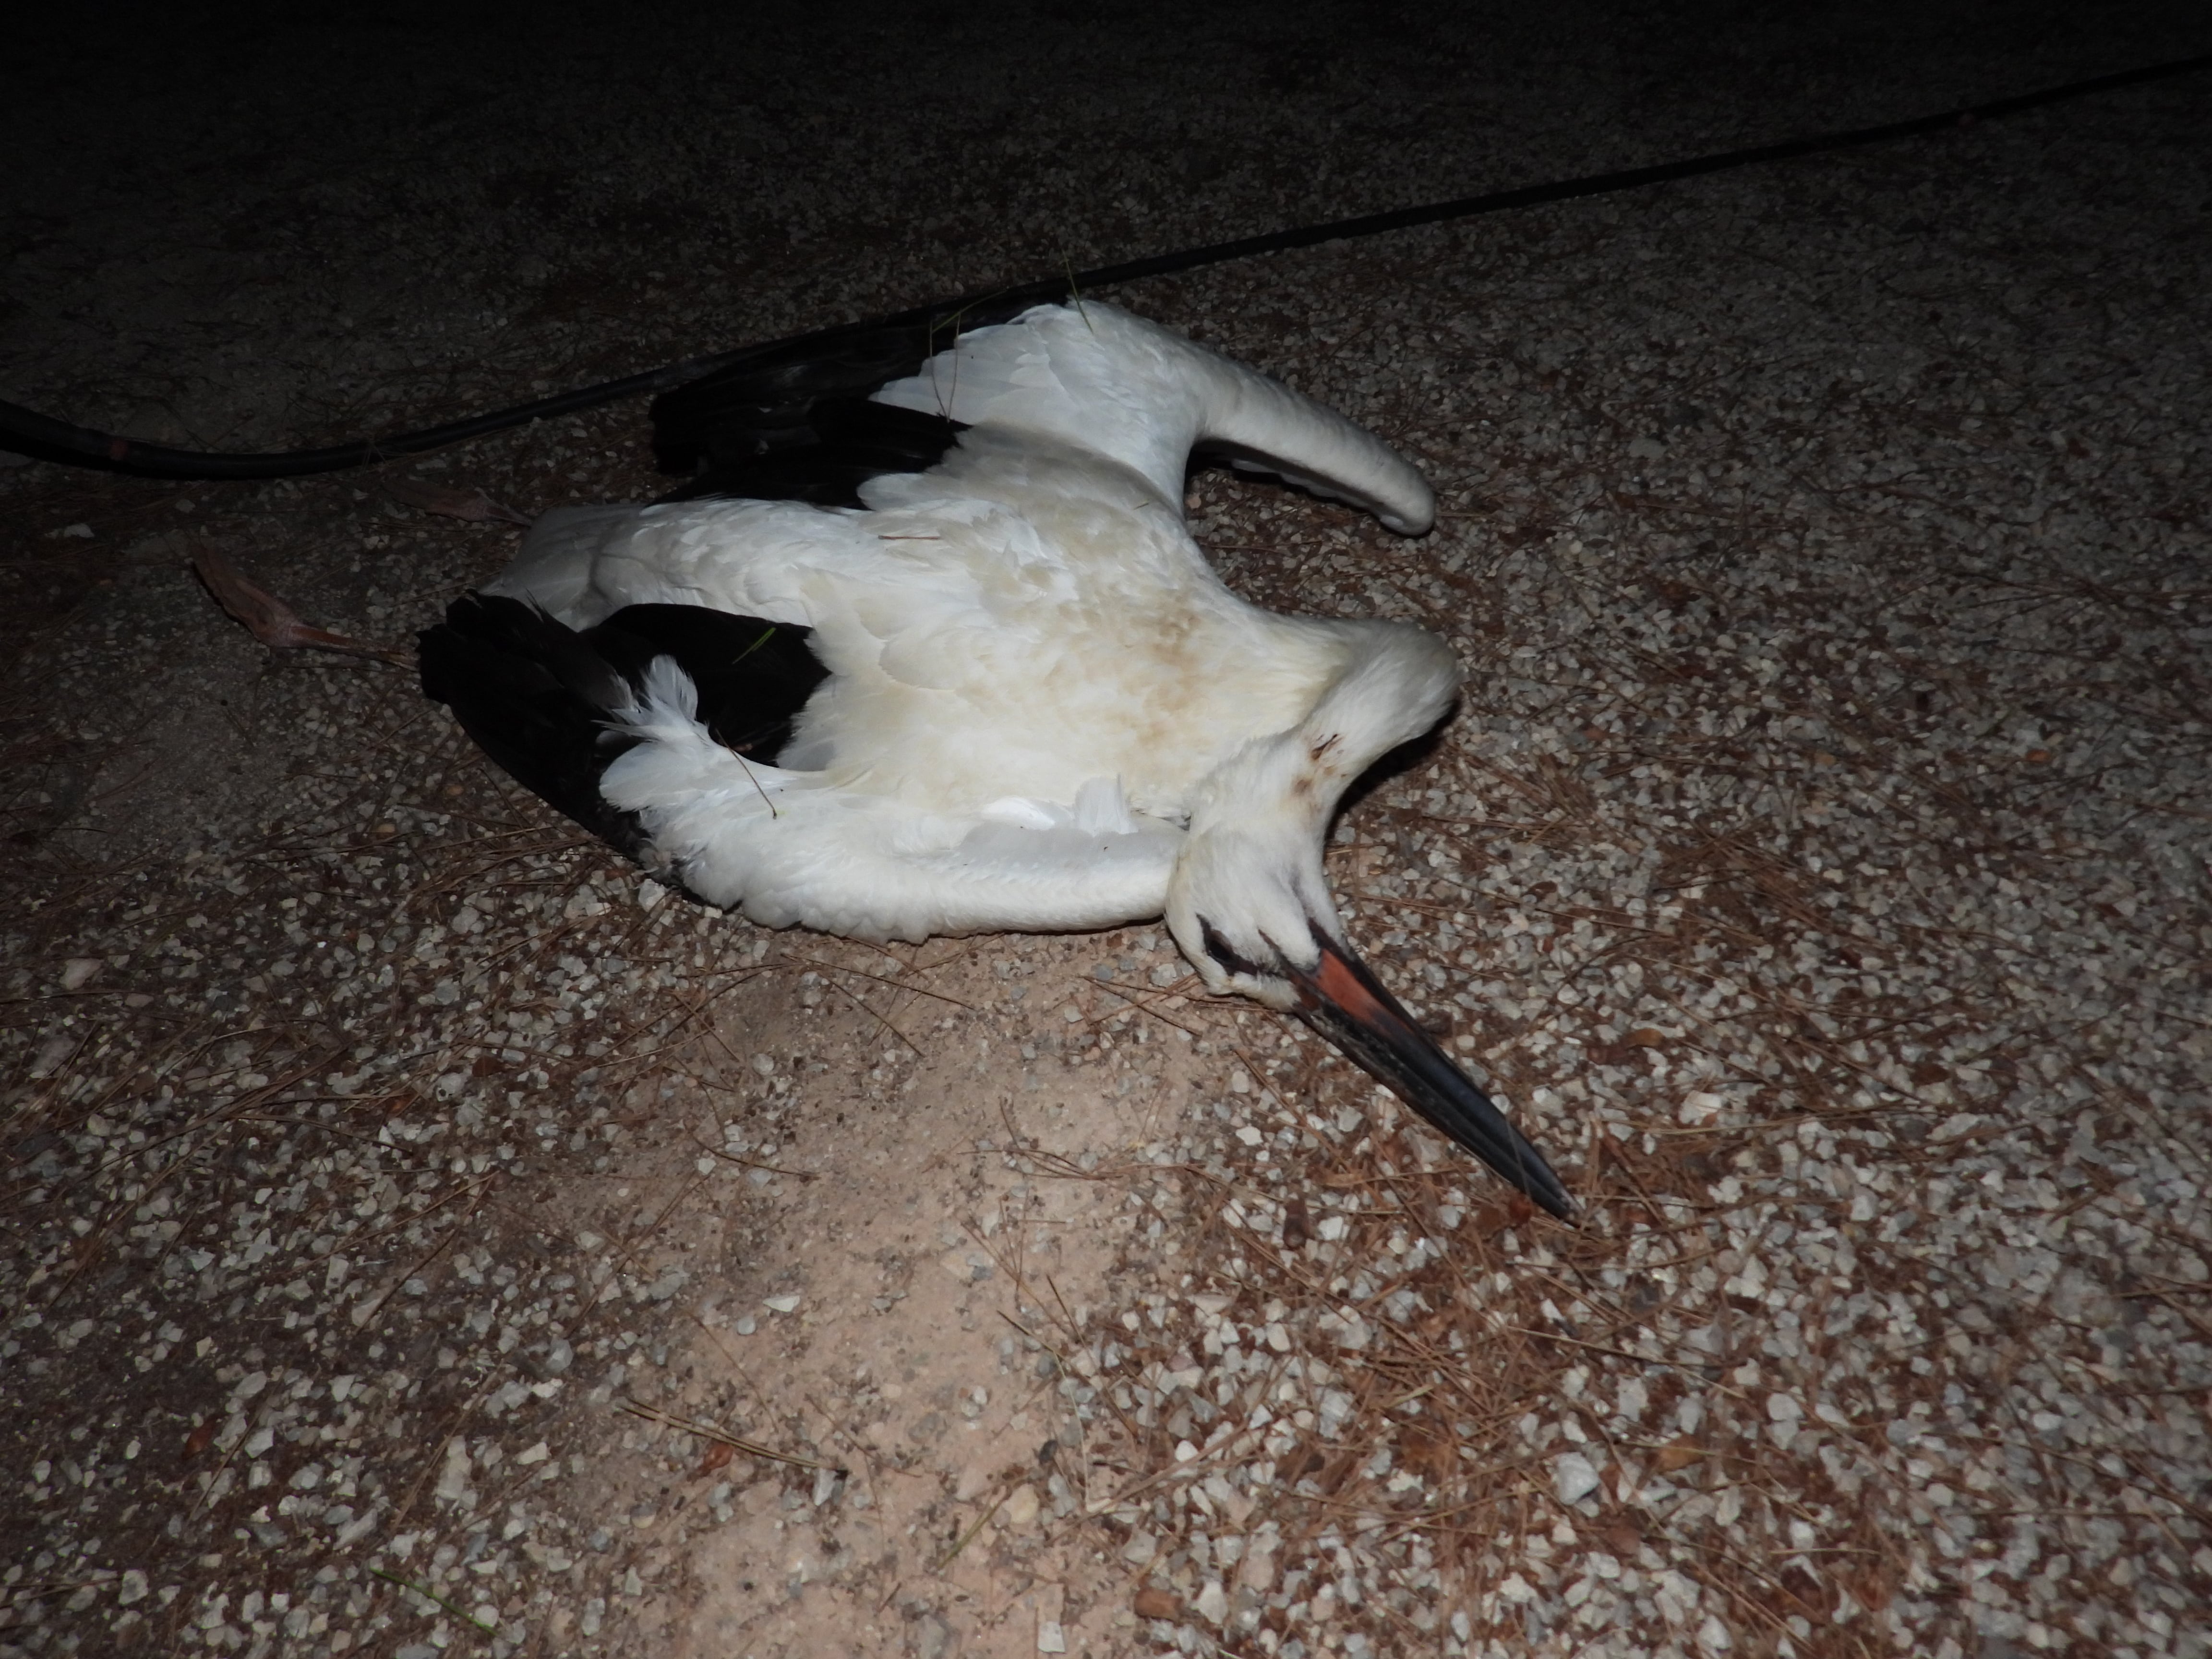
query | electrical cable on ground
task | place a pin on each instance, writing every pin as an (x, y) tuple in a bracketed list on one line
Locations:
[(46, 439)]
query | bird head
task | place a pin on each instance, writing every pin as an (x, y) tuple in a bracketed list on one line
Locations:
[(1250, 907)]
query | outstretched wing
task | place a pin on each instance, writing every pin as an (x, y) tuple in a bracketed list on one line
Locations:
[(791, 848), (816, 421), (1092, 377), (659, 729)]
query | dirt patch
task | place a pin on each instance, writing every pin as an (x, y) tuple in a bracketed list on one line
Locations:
[(894, 1278)]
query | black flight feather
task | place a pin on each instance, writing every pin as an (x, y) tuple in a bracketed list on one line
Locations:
[(753, 677), (842, 444), (537, 696), (795, 423)]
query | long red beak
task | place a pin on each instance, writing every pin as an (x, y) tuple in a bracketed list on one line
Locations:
[(1340, 999)]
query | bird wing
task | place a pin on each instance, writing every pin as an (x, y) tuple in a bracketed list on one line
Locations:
[(581, 564), (663, 728), (791, 849), (1092, 377)]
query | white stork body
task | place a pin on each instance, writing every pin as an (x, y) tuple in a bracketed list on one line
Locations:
[(1041, 709), (1034, 673)]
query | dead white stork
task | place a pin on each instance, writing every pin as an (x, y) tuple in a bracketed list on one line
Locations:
[(929, 650)]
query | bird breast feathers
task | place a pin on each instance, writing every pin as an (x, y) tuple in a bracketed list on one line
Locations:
[(953, 705)]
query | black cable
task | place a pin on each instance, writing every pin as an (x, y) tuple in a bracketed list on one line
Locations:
[(39, 436)]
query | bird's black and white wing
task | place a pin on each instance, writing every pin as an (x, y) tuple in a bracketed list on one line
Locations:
[(818, 422), (1094, 378)]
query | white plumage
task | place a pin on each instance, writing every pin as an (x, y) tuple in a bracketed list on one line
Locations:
[(1043, 709), (1034, 675)]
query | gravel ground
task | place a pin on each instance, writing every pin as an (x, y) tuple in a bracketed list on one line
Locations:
[(422, 1235)]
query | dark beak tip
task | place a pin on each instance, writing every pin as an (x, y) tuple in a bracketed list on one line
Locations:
[(1343, 1000), (1557, 1205)]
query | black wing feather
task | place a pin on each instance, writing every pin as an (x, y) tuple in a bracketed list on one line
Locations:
[(537, 696), (840, 445), (753, 677), (794, 421)]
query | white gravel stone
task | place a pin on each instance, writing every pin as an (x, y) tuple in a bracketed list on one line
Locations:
[(1573, 1478)]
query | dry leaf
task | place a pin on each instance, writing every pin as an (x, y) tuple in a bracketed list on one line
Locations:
[(1677, 1454), (1500, 1213), (267, 617), (1872, 1588), (471, 504), (1433, 1456), (1153, 1602)]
